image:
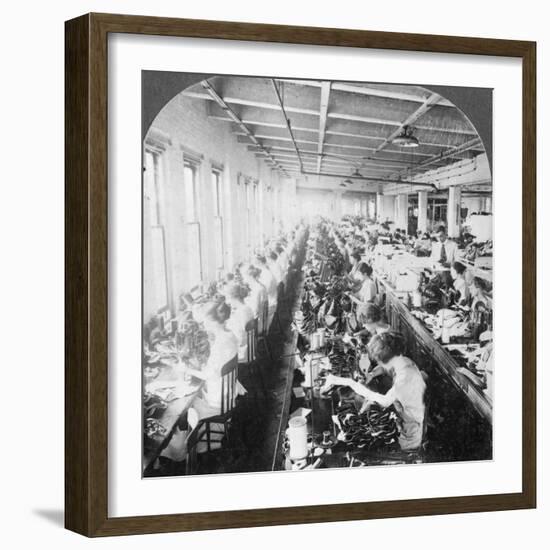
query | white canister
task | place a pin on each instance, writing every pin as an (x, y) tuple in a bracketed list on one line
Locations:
[(311, 371), (297, 438), (314, 343), (321, 337)]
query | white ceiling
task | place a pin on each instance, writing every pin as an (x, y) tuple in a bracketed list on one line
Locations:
[(308, 127)]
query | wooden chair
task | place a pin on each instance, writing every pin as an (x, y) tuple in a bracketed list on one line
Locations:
[(228, 400), (192, 460), (252, 363), (281, 304), (251, 340), (262, 335)]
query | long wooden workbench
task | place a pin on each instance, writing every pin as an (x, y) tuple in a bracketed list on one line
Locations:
[(401, 319)]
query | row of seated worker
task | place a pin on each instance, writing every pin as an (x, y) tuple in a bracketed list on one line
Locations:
[(365, 234), (224, 313), (358, 240), (252, 290), (389, 377)]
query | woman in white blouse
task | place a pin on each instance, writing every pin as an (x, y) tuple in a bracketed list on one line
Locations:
[(223, 348), (274, 266), (241, 315), (406, 393), (257, 298), (354, 276), (282, 262), (367, 291), (270, 283)]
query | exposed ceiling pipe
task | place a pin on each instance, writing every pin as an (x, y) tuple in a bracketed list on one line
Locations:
[(217, 98), (446, 154), (370, 179), (287, 121)]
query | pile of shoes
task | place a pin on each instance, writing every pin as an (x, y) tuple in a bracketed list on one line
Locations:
[(342, 359), (374, 429)]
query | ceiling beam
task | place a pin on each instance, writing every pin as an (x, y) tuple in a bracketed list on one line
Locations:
[(371, 120), (272, 106), (252, 103), (287, 120), (312, 165), (361, 89), (413, 117), (336, 145), (355, 160), (371, 179), (450, 153), (267, 123), (314, 112), (215, 96), (270, 124), (323, 110)]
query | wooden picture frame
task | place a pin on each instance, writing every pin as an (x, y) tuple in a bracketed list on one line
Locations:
[(86, 424)]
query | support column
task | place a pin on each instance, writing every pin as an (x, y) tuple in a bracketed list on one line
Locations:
[(402, 212), (385, 207), (453, 211), (337, 205), (423, 211), (379, 207)]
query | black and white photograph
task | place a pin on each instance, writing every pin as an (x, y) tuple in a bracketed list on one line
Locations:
[(317, 275)]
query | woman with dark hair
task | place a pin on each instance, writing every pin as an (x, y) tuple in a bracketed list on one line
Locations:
[(370, 317), (355, 261), (406, 393), (367, 291), (478, 292), (480, 309), (458, 273)]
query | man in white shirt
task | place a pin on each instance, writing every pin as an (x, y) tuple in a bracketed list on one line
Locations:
[(444, 251)]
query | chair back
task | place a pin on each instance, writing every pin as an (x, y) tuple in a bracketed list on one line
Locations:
[(426, 409), (265, 314), (251, 340), (191, 463), (229, 385)]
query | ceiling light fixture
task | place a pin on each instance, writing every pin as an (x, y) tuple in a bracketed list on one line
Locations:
[(406, 138), (355, 175)]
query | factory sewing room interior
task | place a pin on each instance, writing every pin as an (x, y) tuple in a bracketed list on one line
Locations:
[(317, 279)]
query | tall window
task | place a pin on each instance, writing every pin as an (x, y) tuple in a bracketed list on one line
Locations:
[(217, 198), (257, 215), (190, 185), (249, 217), (192, 222), (155, 253)]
